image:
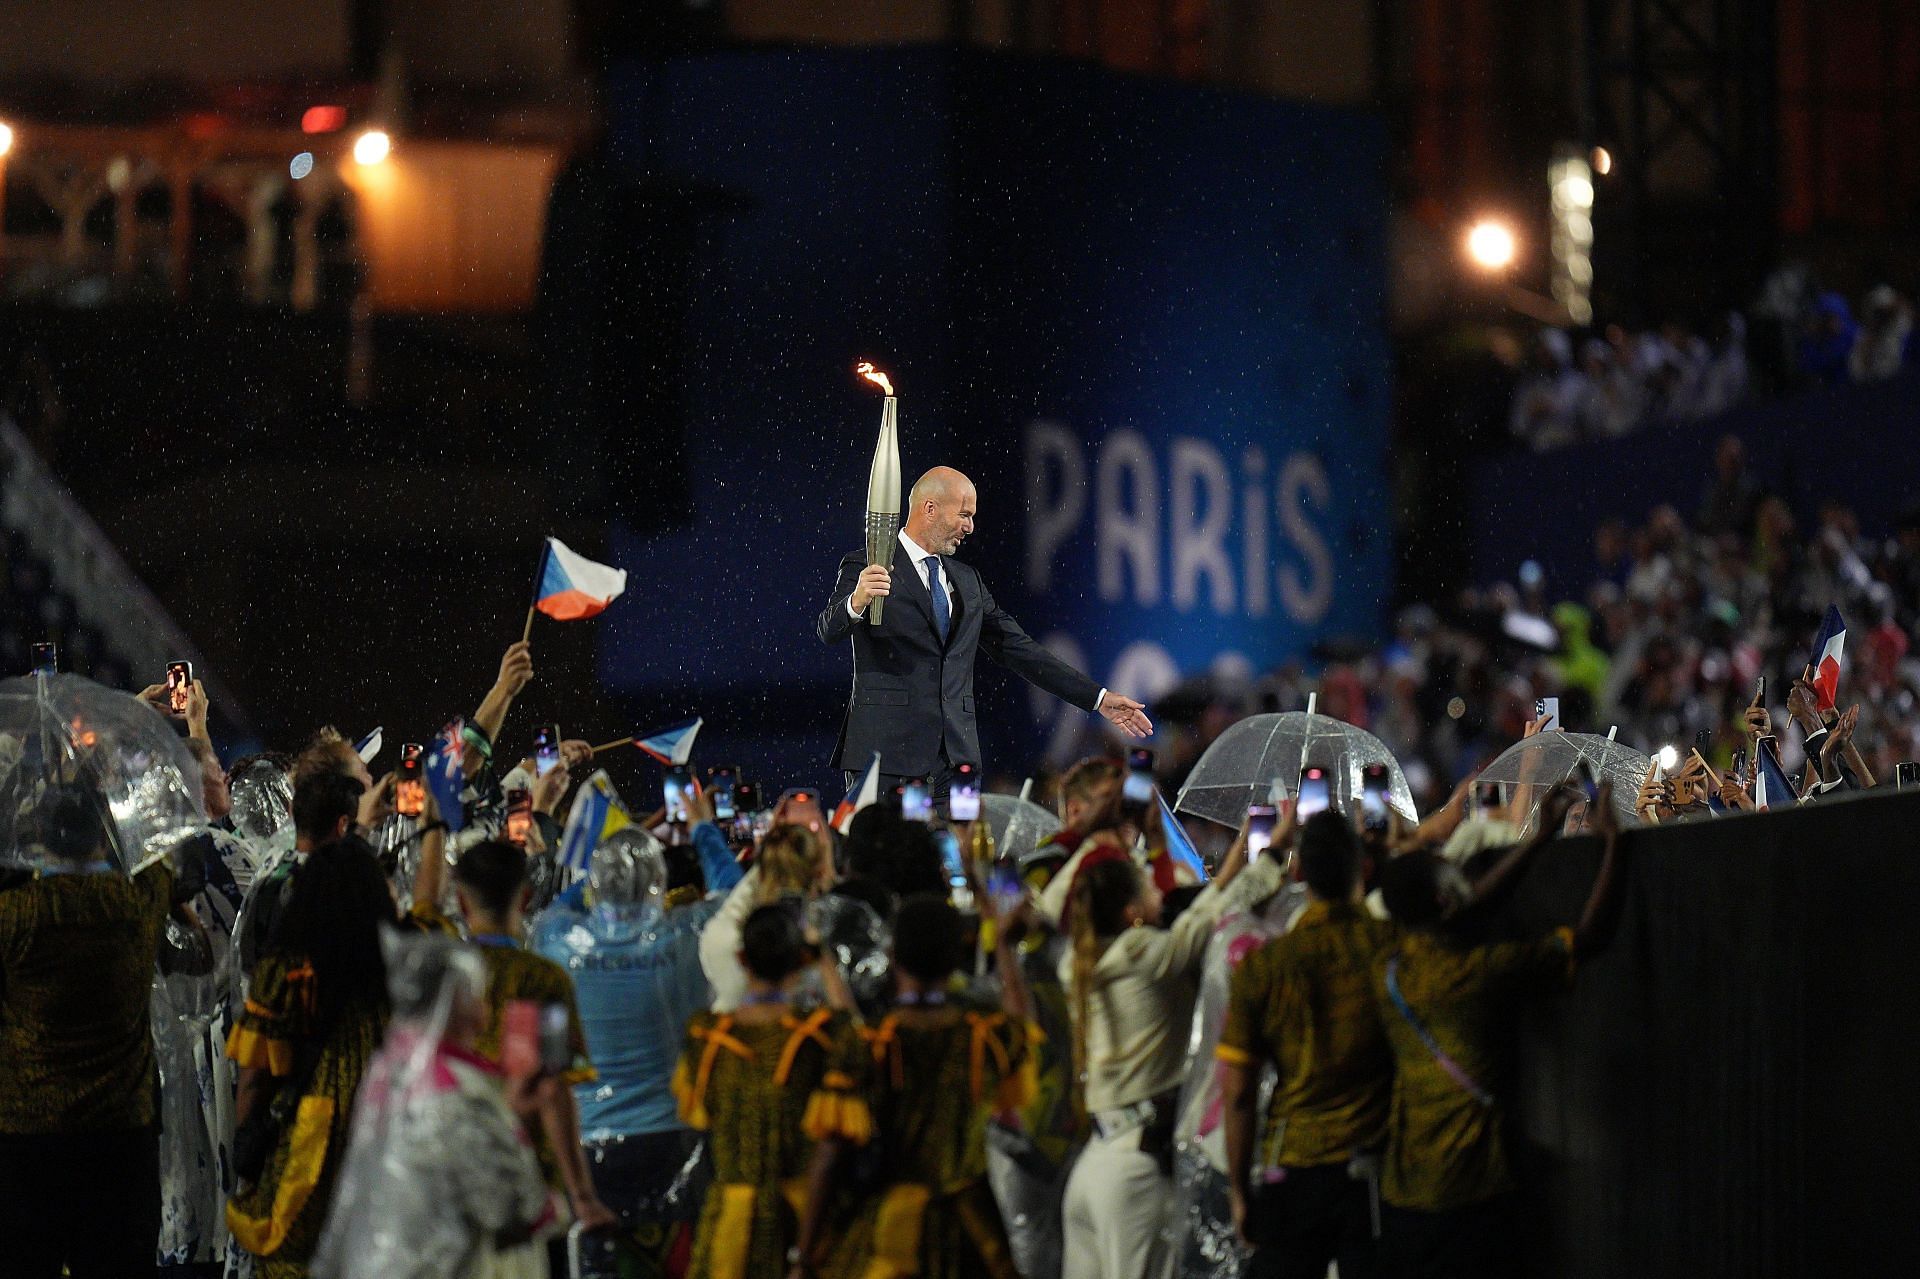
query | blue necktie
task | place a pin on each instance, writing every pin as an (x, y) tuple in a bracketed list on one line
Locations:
[(940, 614)]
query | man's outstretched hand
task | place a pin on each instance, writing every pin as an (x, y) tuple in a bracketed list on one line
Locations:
[(1127, 715)]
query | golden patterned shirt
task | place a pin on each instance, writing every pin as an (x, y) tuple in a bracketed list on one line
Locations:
[(514, 973), (1446, 1148), (1305, 1003), (77, 954)]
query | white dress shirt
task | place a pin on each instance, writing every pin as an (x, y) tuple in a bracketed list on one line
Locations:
[(918, 556)]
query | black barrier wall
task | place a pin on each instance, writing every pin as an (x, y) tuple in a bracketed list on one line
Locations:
[(1726, 1090)]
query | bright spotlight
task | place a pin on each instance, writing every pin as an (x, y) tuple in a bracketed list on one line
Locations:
[(1491, 245), (371, 147), (6, 138), (1669, 758)]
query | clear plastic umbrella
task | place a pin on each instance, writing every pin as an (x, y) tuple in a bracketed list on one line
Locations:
[(1019, 825), (1242, 765), (108, 754), (1549, 758)]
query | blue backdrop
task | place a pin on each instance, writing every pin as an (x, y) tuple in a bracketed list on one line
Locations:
[(1147, 319)]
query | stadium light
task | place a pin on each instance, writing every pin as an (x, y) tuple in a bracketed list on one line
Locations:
[(1491, 245), (371, 148)]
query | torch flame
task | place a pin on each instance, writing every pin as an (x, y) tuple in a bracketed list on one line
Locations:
[(866, 370)]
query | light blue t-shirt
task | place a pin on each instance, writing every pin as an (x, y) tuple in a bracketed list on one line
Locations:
[(636, 983), (636, 980)]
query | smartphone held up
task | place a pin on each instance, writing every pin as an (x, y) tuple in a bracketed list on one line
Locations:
[(1260, 824), (410, 785), (1315, 794), (179, 686), (963, 797)]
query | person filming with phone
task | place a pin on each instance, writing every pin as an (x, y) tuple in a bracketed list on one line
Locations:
[(912, 698)]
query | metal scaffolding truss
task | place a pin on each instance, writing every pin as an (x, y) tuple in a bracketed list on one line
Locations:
[(1682, 93)]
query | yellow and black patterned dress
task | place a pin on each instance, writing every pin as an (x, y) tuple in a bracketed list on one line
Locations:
[(936, 1077), (279, 1219), (764, 1094)]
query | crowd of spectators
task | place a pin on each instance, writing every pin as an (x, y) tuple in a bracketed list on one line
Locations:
[(770, 1045), (1798, 335), (776, 1045), (1664, 639)]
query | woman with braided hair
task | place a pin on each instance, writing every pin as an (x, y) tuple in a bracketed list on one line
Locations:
[(1132, 986)]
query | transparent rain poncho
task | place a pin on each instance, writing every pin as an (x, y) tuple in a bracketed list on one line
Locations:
[(1203, 1242), (1243, 764), (858, 940), (194, 996), (1019, 825), (262, 813), (1546, 759), (141, 784), (440, 1179)]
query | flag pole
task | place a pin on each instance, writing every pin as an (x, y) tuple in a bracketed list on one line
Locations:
[(539, 574), (607, 746)]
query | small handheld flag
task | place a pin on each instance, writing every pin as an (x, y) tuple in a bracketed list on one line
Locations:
[(672, 746), (1770, 785), (596, 813), (570, 586), (1179, 844), (1828, 654), (368, 747), (859, 795), (446, 774)]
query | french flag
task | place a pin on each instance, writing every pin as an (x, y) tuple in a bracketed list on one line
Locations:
[(1828, 653), (862, 793), (674, 745), (1770, 785), (571, 586)]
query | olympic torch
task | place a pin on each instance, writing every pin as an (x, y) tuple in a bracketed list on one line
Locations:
[(883, 483)]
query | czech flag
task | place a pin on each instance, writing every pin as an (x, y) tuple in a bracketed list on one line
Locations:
[(570, 586), (864, 792), (674, 746), (1827, 657), (596, 813), (1180, 845), (1771, 789)]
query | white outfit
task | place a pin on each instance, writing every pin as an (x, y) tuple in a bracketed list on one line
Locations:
[(720, 944), (1114, 1209), (1139, 1017)]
